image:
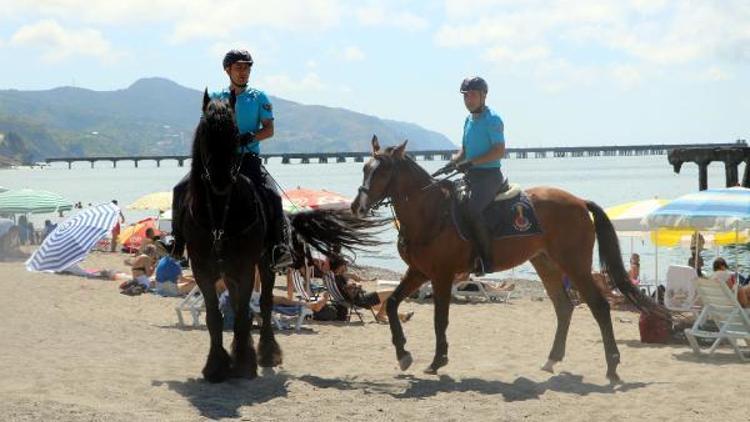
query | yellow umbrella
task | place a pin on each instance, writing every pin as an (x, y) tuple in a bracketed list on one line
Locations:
[(161, 201)]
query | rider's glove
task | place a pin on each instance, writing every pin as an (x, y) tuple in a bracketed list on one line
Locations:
[(463, 166), (247, 138)]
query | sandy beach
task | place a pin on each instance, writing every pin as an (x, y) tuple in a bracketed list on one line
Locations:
[(74, 349)]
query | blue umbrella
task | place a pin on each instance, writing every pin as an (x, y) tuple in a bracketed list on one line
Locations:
[(72, 240), (710, 210)]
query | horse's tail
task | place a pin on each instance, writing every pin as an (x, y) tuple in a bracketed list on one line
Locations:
[(610, 260), (336, 231)]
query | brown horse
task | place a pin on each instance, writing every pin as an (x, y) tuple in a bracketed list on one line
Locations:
[(433, 250)]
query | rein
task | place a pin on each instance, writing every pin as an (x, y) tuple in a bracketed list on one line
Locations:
[(217, 231)]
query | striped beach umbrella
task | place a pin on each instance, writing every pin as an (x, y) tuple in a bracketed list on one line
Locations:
[(32, 201), (161, 201), (72, 240), (719, 210)]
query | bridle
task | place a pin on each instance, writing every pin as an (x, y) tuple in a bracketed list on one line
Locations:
[(217, 230), (387, 198)]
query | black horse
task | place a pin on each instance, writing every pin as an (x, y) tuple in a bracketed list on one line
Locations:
[(225, 224)]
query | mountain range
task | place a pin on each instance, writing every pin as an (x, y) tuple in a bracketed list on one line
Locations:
[(156, 116)]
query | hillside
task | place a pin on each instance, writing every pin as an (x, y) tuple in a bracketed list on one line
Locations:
[(157, 116)]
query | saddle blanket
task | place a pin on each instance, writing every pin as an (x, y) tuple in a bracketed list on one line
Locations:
[(510, 217)]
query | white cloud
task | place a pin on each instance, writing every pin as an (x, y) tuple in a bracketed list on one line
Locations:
[(283, 85), (353, 54), (58, 43), (377, 15), (667, 34)]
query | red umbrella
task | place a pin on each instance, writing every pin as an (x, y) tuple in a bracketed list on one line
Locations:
[(301, 199), (132, 236)]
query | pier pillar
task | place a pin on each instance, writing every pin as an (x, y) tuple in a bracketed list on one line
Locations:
[(136, 163), (158, 163), (181, 163), (323, 160), (703, 175), (114, 164), (340, 159), (746, 175), (359, 159), (305, 160), (70, 165), (285, 159), (92, 163)]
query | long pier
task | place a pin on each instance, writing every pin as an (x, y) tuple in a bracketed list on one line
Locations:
[(427, 155)]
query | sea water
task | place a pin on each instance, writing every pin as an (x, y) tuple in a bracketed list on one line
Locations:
[(605, 180)]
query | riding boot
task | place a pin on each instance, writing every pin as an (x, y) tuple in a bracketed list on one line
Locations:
[(282, 251), (482, 242)]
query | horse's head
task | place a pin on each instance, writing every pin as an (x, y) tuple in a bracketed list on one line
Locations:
[(378, 179), (216, 142)]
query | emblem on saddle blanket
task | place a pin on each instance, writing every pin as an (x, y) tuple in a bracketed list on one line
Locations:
[(514, 216)]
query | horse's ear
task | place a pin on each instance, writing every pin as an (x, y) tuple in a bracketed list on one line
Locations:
[(206, 100), (400, 150), (375, 144), (232, 99)]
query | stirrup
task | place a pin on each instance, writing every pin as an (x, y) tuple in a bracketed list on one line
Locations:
[(480, 270), (281, 257)]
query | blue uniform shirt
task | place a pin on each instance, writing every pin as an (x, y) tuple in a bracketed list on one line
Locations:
[(481, 134), (168, 269), (252, 107)]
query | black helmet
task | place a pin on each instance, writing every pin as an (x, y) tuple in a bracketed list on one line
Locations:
[(474, 83), (237, 56)]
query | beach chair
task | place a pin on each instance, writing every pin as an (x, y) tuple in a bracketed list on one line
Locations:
[(337, 296), (294, 313), (192, 303), (301, 288), (472, 289), (680, 293), (732, 322)]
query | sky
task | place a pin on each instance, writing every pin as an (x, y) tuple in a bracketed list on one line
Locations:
[(560, 72)]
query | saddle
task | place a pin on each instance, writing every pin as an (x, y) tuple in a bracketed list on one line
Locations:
[(511, 213)]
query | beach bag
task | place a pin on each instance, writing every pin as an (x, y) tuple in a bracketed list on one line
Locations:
[(653, 329), (326, 313)]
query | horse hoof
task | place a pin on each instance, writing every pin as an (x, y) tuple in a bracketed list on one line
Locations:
[(247, 372), (436, 364), (614, 379), (405, 361), (430, 370), (549, 366), (269, 354)]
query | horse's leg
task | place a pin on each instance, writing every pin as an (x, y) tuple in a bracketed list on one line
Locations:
[(600, 309), (411, 282), (442, 297), (243, 354), (269, 351), (218, 363), (552, 278)]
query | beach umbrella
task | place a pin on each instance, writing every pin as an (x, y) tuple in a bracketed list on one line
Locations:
[(627, 217), (72, 239), (161, 201), (32, 201), (713, 210), (132, 236), (717, 210), (300, 199)]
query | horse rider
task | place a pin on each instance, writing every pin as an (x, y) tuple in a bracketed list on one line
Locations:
[(482, 148), (254, 119)]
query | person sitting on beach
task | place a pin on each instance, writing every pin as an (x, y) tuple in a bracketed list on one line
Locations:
[(48, 228), (348, 285), (723, 275), (490, 287), (169, 278), (635, 269), (142, 267)]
